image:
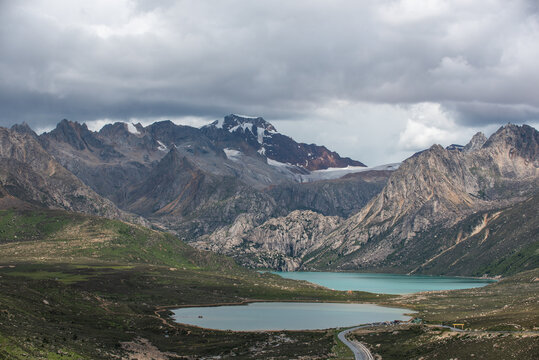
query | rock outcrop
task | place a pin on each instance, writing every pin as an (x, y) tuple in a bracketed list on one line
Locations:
[(476, 143), (435, 200), (31, 175), (250, 134), (436, 188), (279, 243), (194, 181)]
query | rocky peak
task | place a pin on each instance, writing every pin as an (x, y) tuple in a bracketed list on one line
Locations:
[(73, 133), (438, 187), (256, 136), (518, 140), (476, 143), (234, 122), (23, 128), (121, 129)]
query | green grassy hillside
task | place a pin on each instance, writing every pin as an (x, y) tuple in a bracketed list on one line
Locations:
[(80, 287), (74, 286)]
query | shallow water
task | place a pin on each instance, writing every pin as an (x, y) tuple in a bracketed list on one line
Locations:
[(286, 316), (385, 283)]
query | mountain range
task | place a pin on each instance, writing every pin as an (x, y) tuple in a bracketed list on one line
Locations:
[(239, 187)]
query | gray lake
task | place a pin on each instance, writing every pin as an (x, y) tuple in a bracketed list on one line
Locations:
[(286, 316), (385, 283)]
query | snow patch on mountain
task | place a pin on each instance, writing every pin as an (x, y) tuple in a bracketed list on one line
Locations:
[(335, 173), (161, 147), (244, 127), (132, 129), (260, 136), (232, 154), (277, 163)]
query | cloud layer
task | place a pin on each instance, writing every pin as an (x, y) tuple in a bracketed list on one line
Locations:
[(388, 66)]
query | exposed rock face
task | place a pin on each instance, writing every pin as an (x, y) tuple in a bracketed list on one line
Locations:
[(183, 198), (193, 181), (257, 135), (437, 199), (341, 197), (98, 163), (33, 177), (476, 143), (279, 243), (436, 187), (226, 188), (493, 242)]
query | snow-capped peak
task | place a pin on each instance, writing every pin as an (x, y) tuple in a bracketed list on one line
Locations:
[(233, 121)]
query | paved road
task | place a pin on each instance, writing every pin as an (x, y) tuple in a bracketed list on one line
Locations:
[(362, 353), (359, 350)]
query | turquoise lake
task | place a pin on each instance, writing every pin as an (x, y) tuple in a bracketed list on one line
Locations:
[(286, 316), (385, 283)]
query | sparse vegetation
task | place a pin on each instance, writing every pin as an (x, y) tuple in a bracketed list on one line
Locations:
[(87, 287), (424, 342), (96, 288)]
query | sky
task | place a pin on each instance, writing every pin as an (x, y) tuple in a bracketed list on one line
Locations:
[(374, 80)]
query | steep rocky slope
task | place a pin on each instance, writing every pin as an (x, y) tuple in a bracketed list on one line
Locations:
[(340, 197), (279, 243), (256, 135), (436, 204), (31, 177), (494, 242), (194, 181), (94, 160), (434, 188), (182, 197)]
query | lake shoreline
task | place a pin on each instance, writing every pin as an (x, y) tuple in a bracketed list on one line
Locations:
[(493, 278), (228, 320), (384, 283)]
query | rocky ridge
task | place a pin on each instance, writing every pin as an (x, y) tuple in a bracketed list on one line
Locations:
[(436, 188), (436, 194), (278, 243), (31, 177), (252, 134), (194, 181)]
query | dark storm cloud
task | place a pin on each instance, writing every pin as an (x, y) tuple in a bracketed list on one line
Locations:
[(283, 60), (483, 114)]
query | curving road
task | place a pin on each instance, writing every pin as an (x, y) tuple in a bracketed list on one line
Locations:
[(359, 350)]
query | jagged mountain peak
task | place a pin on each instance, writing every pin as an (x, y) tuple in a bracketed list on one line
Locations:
[(515, 141), (122, 129), (254, 135), (437, 188), (73, 133), (23, 128), (234, 122), (518, 135), (68, 124), (476, 143)]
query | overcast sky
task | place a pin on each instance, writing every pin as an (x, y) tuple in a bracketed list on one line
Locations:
[(375, 80)]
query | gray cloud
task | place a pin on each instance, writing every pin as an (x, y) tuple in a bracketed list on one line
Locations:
[(281, 60)]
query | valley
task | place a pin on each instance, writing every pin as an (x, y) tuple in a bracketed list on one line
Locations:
[(110, 297), (104, 233)]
